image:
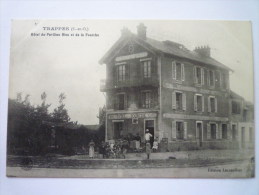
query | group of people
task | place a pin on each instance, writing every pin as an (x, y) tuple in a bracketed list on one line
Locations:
[(119, 148)]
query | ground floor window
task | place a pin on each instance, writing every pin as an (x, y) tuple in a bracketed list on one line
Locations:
[(213, 131), (224, 131), (179, 130)]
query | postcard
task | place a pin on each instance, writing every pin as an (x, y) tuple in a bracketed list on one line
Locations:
[(131, 99)]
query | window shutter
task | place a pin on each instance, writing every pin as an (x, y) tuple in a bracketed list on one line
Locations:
[(220, 131), (229, 134), (209, 105), (174, 130), (185, 130), (217, 132), (173, 100), (184, 101), (183, 73), (208, 131), (195, 74), (202, 103), (195, 102), (216, 105), (202, 76), (174, 70)]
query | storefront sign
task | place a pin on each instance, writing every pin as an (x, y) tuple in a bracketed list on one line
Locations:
[(133, 115)]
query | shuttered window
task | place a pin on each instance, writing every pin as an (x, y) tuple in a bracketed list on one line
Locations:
[(179, 130), (198, 103), (211, 78), (212, 104), (198, 75), (178, 72), (178, 100)]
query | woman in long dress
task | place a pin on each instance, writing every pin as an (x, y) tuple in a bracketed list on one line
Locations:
[(91, 149)]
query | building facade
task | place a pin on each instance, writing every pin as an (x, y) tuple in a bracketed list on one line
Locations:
[(177, 94)]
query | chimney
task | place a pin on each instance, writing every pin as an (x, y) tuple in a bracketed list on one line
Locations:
[(125, 31), (142, 31), (203, 51)]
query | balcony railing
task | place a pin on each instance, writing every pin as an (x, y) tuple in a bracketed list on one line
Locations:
[(110, 84)]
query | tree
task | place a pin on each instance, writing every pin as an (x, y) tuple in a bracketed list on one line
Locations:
[(60, 114)]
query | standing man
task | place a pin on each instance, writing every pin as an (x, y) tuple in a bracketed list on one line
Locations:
[(148, 136)]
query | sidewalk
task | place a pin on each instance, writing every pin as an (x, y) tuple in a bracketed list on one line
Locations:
[(195, 154)]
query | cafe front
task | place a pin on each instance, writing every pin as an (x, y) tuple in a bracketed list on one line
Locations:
[(121, 125)]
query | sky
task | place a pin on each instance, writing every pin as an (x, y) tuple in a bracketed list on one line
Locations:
[(69, 64)]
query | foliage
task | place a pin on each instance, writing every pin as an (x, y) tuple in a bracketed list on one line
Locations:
[(33, 130)]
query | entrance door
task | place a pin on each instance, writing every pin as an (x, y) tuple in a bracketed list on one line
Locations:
[(118, 126), (243, 137), (199, 133), (150, 125)]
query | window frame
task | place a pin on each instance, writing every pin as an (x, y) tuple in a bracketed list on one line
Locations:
[(117, 104), (196, 102), (174, 71), (211, 85), (143, 102), (121, 74), (215, 104), (146, 69)]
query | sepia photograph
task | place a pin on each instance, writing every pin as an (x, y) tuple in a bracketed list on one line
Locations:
[(131, 99)]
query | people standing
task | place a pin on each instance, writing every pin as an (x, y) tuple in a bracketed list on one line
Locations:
[(148, 149), (148, 136), (91, 149)]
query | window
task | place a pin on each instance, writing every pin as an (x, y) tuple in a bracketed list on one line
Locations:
[(211, 78), (179, 130), (198, 103), (198, 75), (224, 131), (235, 107), (212, 104), (178, 100), (213, 130), (146, 69), (121, 73), (146, 99), (224, 81), (120, 101), (178, 71)]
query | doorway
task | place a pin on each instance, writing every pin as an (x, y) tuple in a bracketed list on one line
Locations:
[(199, 133), (117, 129), (150, 125)]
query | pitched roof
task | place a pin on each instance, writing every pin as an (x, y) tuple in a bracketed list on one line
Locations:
[(168, 47)]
